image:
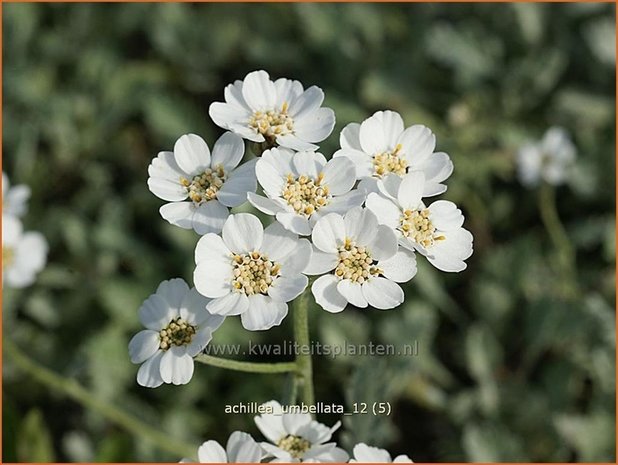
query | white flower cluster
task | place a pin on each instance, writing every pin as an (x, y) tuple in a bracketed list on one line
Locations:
[(24, 254), (292, 438), (354, 222)]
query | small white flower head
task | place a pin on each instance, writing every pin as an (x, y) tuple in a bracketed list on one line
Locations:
[(201, 186), (302, 187), (14, 199), (549, 160), (368, 454), (251, 272), (362, 262), (241, 448), (274, 113), (435, 231), (381, 147), (295, 437), (24, 254), (178, 327)]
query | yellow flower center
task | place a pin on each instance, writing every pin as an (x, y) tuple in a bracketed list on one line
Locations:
[(306, 195), (355, 263), (8, 256), (204, 187), (295, 445), (272, 123), (416, 225), (177, 333), (390, 162), (254, 273)]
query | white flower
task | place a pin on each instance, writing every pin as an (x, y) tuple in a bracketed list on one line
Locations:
[(302, 187), (240, 448), (295, 437), (367, 454), (362, 262), (14, 199), (279, 112), (23, 253), (434, 231), (548, 160), (178, 328), (251, 272), (201, 186), (380, 146)]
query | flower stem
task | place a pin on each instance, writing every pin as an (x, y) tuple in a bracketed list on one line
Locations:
[(249, 367), (303, 357), (557, 234), (78, 393)]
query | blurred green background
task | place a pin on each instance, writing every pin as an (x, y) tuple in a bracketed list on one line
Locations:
[(516, 357)]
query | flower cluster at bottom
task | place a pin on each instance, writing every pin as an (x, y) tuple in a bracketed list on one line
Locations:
[(292, 438)]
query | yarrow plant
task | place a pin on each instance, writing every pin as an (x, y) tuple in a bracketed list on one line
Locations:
[(344, 228)]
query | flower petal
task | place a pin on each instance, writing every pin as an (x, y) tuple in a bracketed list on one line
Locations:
[(278, 242), (193, 307), (382, 293), (192, 154), (213, 278), (264, 204), (211, 452), (392, 126), (326, 295), (209, 217), (271, 180), (352, 292), (294, 222), (143, 345), (294, 142), (233, 303), (211, 247), (339, 175), (173, 291), (165, 189), (411, 190), (306, 103), (242, 448), (449, 254), (384, 244), (343, 203), (271, 425), (263, 313), (243, 233), (234, 118), (371, 137), (321, 262), (148, 374), (315, 127), (228, 151), (309, 163), (361, 225), (259, 91), (234, 190), (386, 211), (199, 341), (329, 233), (176, 366), (350, 137), (296, 261), (401, 267), (418, 143), (155, 313), (292, 422), (179, 214), (287, 91), (445, 216), (363, 163), (287, 288)]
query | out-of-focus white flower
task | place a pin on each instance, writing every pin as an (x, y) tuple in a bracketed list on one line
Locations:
[(240, 448), (178, 327), (274, 113), (251, 272), (14, 199), (295, 437), (380, 147), (199, 186), (362, 262), (549, 160), (435, 231), (24, 254), (303, 187), (367, 454)]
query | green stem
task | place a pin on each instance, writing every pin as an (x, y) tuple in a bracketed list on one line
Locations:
[(72, 389), (249, 367), (303, 357), (557, 234)]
